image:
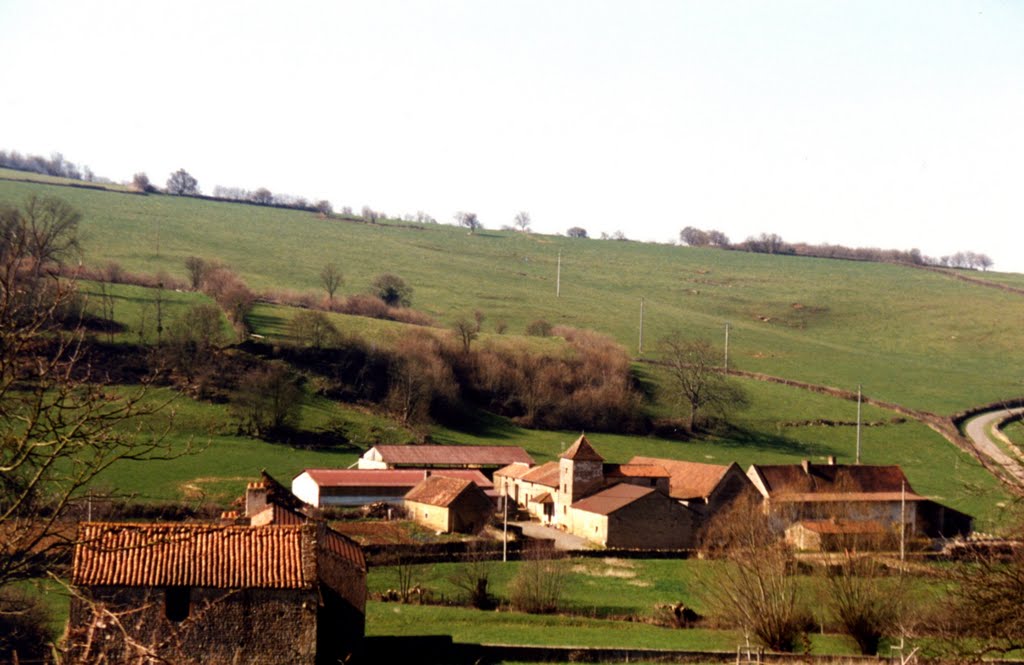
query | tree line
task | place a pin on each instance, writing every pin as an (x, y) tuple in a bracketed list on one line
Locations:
[(772, 243)]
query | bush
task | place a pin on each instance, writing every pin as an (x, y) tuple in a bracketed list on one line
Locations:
[(539, 328), (313, 329), (393, 290)]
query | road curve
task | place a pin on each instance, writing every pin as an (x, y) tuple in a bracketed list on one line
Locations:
[(977, 431)]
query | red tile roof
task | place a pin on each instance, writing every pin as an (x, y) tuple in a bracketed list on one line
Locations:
[(455, 455), (546, 474), (832, 478), (190, 555), (612, 499), (390, 477), (688, 480), (514, 470), (438, 490), (635, 471), (582, 450), (205, 555)]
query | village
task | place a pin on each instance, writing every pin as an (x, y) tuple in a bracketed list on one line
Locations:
[(272, 582)]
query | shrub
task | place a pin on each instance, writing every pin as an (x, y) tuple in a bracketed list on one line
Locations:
[(539, 582), (313, 329), (393, 290), (539, 328), (268, 401)]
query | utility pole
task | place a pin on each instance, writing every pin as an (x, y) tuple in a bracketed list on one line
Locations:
[(504, 539), (903, 521), (558, 276), (858, 421), (726, 347), (640, 344)]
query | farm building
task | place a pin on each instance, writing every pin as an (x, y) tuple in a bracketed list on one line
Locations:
[(487, 459), (853, 493), (451, 505), (616, 505), (201, 593), (359, 487), (704, 488), (835, 535)]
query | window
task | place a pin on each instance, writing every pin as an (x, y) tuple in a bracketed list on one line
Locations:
[(176, 603)]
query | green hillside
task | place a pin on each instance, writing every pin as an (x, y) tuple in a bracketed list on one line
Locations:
[(913, 337)]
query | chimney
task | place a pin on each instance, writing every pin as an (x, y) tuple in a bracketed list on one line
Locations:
[(831, 460), (255, 498), (806, 464)]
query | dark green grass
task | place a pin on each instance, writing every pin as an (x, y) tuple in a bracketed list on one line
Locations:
[(909, 336)]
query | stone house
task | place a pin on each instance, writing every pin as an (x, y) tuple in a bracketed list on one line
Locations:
[(615, 505), (270, 586), (835, 535), (451, 505), (706, 489)]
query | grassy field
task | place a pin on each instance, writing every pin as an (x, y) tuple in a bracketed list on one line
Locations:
[(613, 603), (909, 336)]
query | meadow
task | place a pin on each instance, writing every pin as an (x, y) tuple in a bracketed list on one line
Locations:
[(909, 336)]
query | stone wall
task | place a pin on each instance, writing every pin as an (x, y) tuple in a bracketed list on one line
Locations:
[(258, 626)]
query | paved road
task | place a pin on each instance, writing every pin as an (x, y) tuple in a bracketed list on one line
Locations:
[(563, 540), (977, 431)]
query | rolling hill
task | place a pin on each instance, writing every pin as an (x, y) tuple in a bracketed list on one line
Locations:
[(917, 338)]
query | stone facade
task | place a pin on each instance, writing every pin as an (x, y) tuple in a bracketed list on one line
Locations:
[(205, 593)]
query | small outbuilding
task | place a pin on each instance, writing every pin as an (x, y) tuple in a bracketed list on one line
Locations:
[(451, 505)]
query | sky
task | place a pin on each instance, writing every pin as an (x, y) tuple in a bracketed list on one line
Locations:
[(862, 123)]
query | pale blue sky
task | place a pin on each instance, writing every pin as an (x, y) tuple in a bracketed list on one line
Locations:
[(893, 124)]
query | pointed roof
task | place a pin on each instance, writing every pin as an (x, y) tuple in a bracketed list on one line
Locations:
[(582, 451), (438, 490)]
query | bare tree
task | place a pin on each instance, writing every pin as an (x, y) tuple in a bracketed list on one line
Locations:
[(181, 183), (866, 602), (473, 575), (331, 279), (469, 220), (522, 221), (539, 582), (466, 331), (694, 237), (196, 268), (60, 425), (576, 232), (697, 379), (754, 592), (268, 401), (986, 616), (262, 196)]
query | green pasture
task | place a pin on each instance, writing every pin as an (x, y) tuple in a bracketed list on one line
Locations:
[(909, 336), (606, 602), (774, 429)]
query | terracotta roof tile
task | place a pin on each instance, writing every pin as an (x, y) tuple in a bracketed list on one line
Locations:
[(438, 490), (582, 450), (688, 480), (514, 470), (612, 499), (635, 471), (189, 555), (546, 474), (327, 478), (457, 455)]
